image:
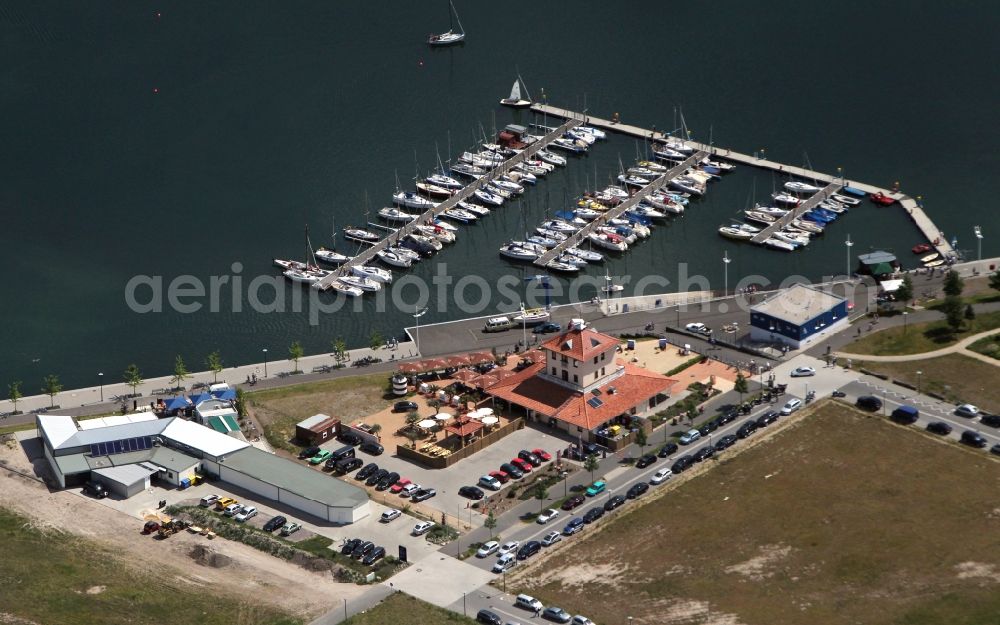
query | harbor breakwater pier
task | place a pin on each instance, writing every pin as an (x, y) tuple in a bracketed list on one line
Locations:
[(833, 183)]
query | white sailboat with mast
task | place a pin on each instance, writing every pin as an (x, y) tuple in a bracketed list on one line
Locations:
[(451, 37), (515, 100)]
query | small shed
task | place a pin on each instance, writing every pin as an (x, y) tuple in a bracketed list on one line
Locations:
[(317, 429), (172, 466), (124, 481), (877, 264)]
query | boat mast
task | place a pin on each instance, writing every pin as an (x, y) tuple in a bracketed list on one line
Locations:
[(457, 19), (521, 80)]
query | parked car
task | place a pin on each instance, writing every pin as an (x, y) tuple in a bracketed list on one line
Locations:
[(939, 427), (387, 481), (645, 461), (490, 482), (967, 410), (991, 420), (362, 549), (290, 528), (581, 620), (390, 515), (905, 415), (367, 471), (637, 490), (224, 503), (349, 438), (505, 562), (471, 492), (512, 471), (661, 476), (232, 509), (528, 602), (322, 456), (682, 464), (973, 439), (690, 436), (405, 406), (309, 452), (372, 448), (792, 405), (423, 494), (246, 514), (704, 453), (995, 449), (615, 502), (802, 372), (524, 465), (349, 546), (767, 419), (96, 489), (593, 514), (666, 450), (869, 403), (422, 528), (541, 453), (556, 615), (596, 488), (697, 328), (530, 458), (553, 537), (377, 477), (488, 549), (708, 428), (727, 417), (373, 556), (208, 500), (275, 523), (400, 485), (346, 465), (547, 328), (725, 442), (573, 502), (500, 476), (547, 516), (509, 547), (575, 525), (747, 429), (529, 549), (408, 490)]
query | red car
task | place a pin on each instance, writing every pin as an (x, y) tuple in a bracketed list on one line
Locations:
[(524, 465), (541, 453), (399, 486), (501, 477)]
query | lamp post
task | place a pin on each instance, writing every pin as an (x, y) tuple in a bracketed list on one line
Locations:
[(919, 373), (265, 375), (979, 242), (904, 321), (849, 244), (417, 314), (725, 264), (100, 376)]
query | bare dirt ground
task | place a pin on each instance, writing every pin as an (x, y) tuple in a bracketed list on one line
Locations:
[(252, 574)]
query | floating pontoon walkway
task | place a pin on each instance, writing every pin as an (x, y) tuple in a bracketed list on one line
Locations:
[(796, 212), (911, 206)]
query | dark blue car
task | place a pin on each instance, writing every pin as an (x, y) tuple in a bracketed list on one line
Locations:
[(574, 526)]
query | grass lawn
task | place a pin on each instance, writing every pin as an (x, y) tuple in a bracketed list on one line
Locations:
[(842, 518), (57, 579), (955, 377), (278, 410), (400, 609), (920, 337), (989, 346)]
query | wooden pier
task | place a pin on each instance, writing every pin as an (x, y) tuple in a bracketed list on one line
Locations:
[(796, 212), (930, 231), (429, 215), (583, 234)]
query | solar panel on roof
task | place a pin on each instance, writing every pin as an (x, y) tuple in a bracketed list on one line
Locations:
[(595, 402)]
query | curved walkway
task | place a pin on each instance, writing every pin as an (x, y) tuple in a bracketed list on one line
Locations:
[(959, 347)]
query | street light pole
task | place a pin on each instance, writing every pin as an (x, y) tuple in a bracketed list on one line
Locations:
[(919, 373), (417, 314), (725, 263), (848, 243), (904, 321), (979, 241), (265, 375), (100, 376)]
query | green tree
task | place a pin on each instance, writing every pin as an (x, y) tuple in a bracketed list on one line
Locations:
[(490, 523), (295, 352), (905, 291), (375, 341), (241, 403), (180, 372), (741, 386), (953, 283), (375, 429), (339, 349), (133, 377), (953, 310), (412, 417), (995, 280), (51, 387), (14, 393), (412, 436), (435, 404), (541, 494), (591, 463), (641, 439), (214, 363), (970, 314)]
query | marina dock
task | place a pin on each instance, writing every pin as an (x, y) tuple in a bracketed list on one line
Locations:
[(427, 216), (927, 227), (582, 235), (794, 213)]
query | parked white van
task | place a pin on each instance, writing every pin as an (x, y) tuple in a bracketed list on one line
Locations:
[(505, 562), (498, 324), (528, 602)]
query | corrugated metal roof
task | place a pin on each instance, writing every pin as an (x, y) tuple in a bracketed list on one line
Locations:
[(311, 421), (296, 478), (202, 438), (127, 475), (57, 429), (121, 419), (172, 459)]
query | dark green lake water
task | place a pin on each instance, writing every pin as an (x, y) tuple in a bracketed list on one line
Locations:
[(179, 144)]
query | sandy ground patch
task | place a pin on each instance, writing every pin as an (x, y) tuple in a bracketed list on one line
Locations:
[(980, 570), (756, 568)]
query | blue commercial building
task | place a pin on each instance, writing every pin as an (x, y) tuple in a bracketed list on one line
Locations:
[(798, 316)]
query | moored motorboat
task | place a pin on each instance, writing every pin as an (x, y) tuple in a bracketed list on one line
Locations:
[(611, 242), (921, 248), (372, 273), (467, 170), (532, 316), (436, 233), (785, 198), (391, 213), (425, 241), (410, 199), (597, 133), (433, 190), (517, 252), (843, 199), (488, 197), (404, 253), (476, 209), (556, 265), (552, 159), (459, 214), (930, 258), (588, 255), (346, 289), (778, 244), (444, 181), (329, 256), (360, 235), (362, 282), (301, 277), (735, 233), (882, 199), (759, 217), (545, 242), (393, 258), (796, 186)]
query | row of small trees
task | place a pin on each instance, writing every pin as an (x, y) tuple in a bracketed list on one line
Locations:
[(955, 311)]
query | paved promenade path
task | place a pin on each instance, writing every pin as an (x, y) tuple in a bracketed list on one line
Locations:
[(960, 347)]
